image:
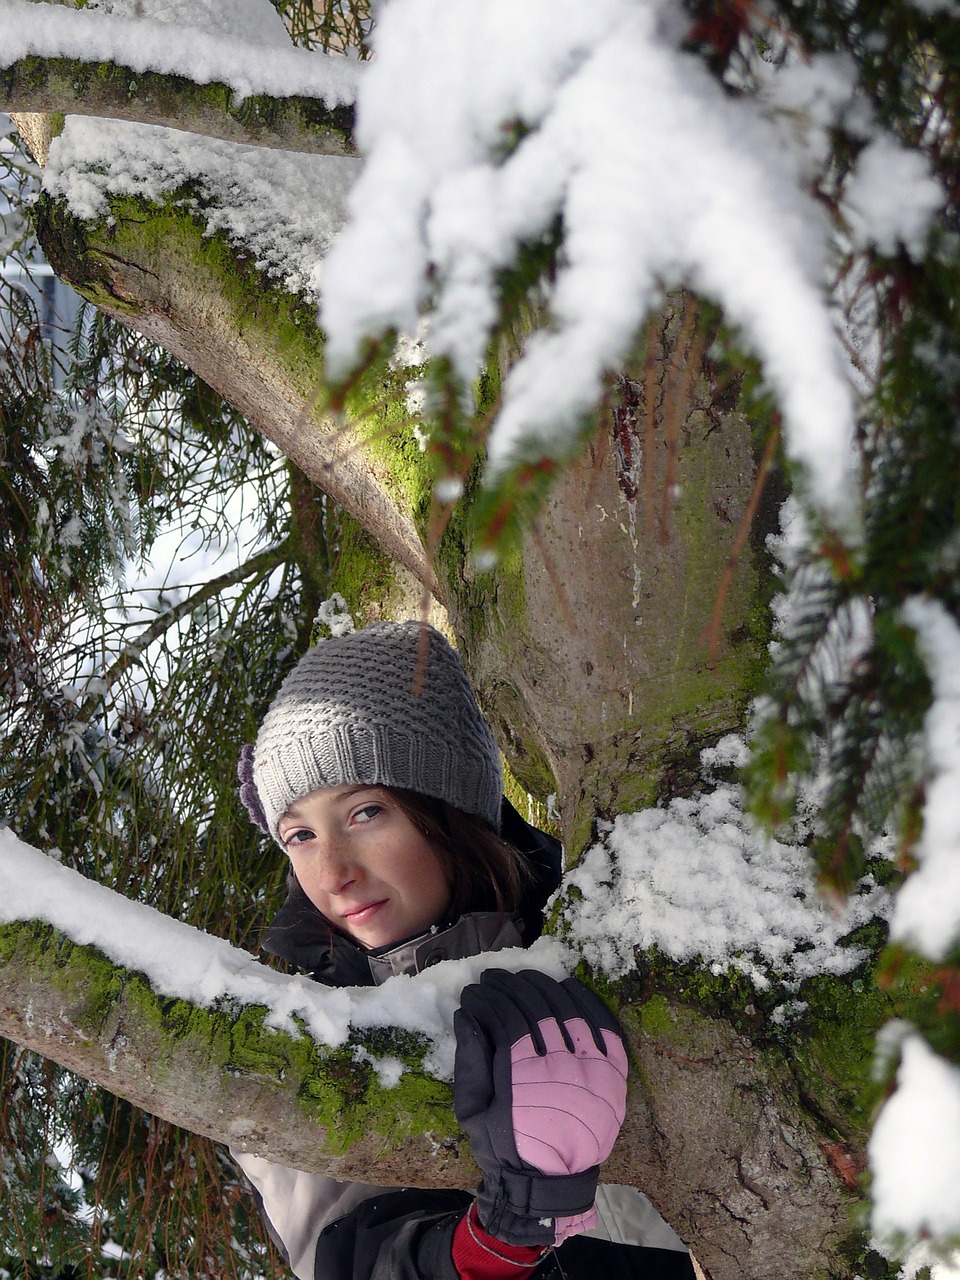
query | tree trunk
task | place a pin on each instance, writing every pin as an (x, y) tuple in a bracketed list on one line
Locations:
[(592, 652)]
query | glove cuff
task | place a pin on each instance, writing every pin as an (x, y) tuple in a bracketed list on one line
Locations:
[(521, 1208)]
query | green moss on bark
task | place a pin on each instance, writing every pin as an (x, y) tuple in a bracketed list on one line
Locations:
[(337, 1088), (120, 264), (111, 90), (380, 402), (823, 1032)]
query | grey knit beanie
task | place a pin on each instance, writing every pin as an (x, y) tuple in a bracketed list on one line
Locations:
[(349, 712)]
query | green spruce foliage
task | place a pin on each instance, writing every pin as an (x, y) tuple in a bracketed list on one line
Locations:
[(849, 691)]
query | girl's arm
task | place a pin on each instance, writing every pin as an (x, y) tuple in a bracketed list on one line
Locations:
[(420, 1235), (298, 1206), (328, 1229), (540, 1085), (540, 1088), (477, 1255)]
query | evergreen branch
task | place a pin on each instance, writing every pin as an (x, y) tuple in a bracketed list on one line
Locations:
[(259, 565), (815, 608)]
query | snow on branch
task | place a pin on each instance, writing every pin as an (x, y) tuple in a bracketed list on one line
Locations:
[(182, 963), (485, 129), (199, 1033), (694, 879), (88, 63)]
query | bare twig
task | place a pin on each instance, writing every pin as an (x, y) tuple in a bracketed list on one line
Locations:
[(259, 565)]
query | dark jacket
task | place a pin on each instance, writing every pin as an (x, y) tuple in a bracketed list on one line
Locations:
[(330, 1230)]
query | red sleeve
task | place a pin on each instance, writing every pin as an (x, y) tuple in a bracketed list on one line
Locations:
[(477, 1255)]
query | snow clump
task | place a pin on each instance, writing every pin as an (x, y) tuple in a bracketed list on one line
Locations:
[(927, 913), (914, 1149), (696, 880)]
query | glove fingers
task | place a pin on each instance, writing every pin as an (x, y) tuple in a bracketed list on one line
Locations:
[(565, 1002), (524, 1000), (593, 1011), (571, 999), (539, 997), (505, 1004), (511, 1005)]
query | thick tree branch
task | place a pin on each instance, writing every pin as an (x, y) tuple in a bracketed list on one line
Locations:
[(82, 63), (224, 1073), (114, 92), (711, 1133), (246, 342)]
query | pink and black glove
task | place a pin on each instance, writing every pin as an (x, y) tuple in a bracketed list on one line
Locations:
[(539, 1087)]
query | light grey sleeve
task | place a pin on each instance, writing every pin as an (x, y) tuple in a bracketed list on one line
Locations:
[(299, 1205), (626, 1216)]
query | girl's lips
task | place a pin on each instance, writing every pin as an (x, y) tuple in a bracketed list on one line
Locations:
[(360, 915)]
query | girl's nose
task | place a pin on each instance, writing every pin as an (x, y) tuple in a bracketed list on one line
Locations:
[(331, 871)]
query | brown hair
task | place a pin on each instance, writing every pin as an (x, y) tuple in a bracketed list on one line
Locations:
[(484, 872)]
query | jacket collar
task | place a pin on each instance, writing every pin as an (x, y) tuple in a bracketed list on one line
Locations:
[(471, 934), (301, 936)]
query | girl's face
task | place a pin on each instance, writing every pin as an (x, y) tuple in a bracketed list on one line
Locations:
[(364, 865)]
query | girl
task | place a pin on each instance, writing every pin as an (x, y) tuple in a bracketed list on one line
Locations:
[(378, 776)]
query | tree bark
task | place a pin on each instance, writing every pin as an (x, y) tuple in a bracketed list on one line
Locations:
[(225, 1073), (114, 92), (593, 653), (84, 63)]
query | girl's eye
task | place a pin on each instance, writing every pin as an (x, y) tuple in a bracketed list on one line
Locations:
[(367, 813), (298, 837)]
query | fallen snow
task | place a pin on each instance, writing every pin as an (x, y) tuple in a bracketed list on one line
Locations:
[(812, 95), (335, 614), (258, 64), (180, 961), (696, 880), (915, 1149)]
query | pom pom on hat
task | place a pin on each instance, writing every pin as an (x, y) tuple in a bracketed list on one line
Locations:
[(249, 796)]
